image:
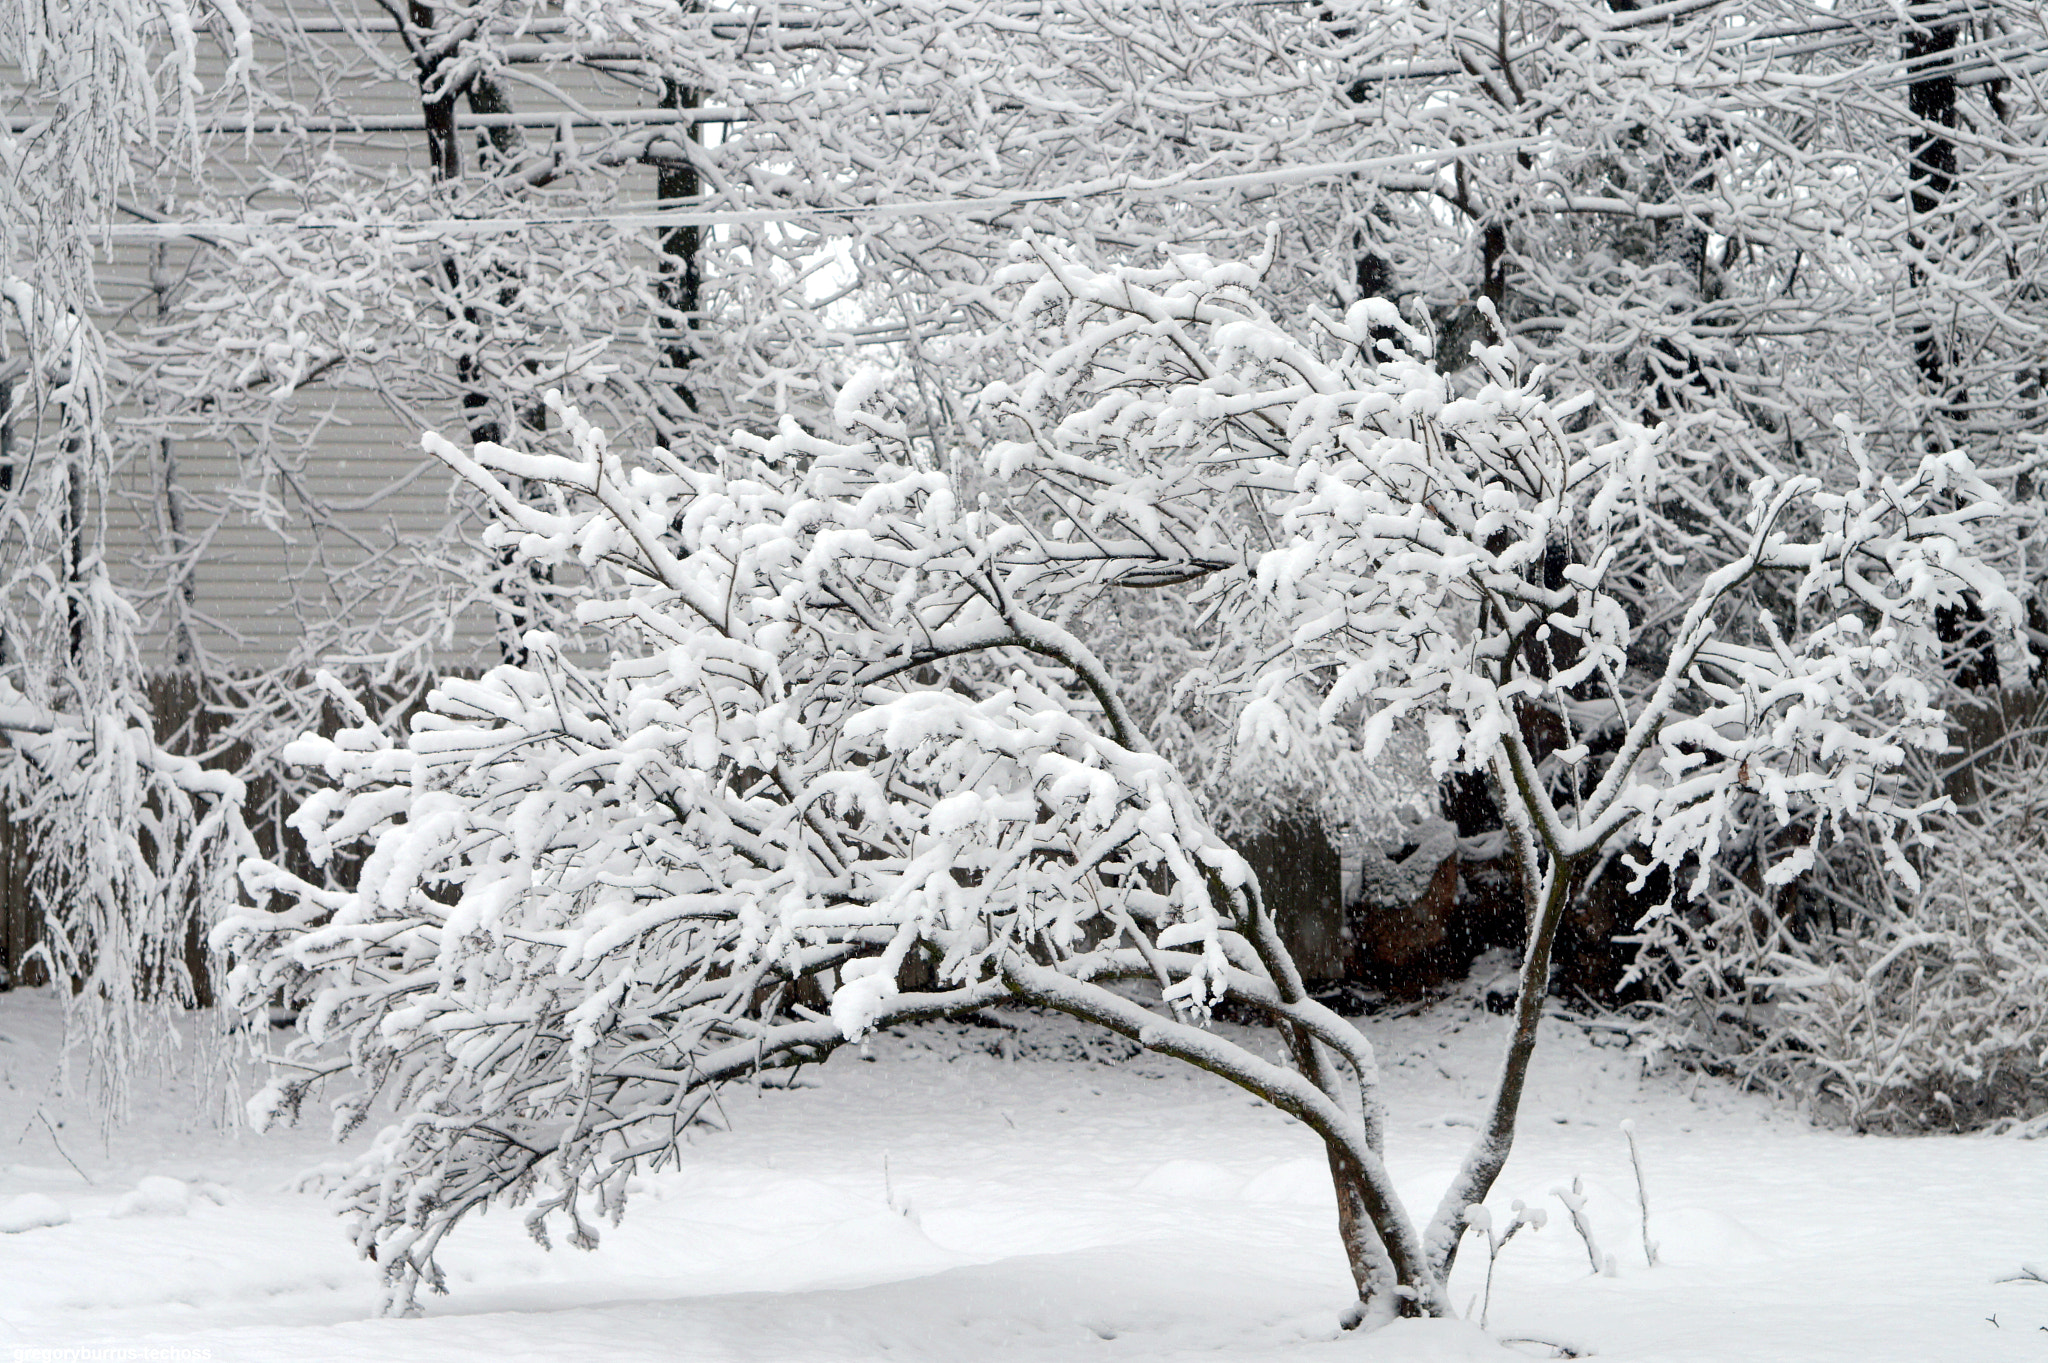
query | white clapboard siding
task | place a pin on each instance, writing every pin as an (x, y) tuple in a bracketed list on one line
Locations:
[(260, 582)]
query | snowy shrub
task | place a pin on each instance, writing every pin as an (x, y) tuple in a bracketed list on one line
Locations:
[(847, 736), (130, 853), (1885, 1005)]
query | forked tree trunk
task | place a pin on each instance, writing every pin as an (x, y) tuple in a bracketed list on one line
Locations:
[(1381, 1291), (1397, 1268)]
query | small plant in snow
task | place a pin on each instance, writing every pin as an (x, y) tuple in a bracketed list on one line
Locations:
[(1574, 1201), (1478, 1218), (1635, 1159), (843, 728)]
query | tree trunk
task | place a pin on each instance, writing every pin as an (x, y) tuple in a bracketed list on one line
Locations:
[(438, 100), (676, 181), (1929, 50)]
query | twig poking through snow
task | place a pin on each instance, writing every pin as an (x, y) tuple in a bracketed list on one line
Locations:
[(1628, 1129), (899, 1206), (1575, 1203), (1558, 1350), (45, 1119)]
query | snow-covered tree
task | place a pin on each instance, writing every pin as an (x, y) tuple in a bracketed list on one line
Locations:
[(846, 728), (1733, 225), (1710, 220), (124, 841)]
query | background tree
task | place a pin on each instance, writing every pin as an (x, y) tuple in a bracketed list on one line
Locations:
[(123, 838)]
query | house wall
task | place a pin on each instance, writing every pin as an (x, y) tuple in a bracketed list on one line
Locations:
[(297, 511)]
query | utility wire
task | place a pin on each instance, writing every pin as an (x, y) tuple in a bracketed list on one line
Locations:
[(498, 224)]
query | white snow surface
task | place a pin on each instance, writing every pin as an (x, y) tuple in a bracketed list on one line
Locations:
[(955, 1194)]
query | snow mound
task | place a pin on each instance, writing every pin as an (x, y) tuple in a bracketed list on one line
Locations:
[(1701, 1235), (1297, 1182), (1190, 1178), (1435, 1341), (155, 1196), (31, 1211)]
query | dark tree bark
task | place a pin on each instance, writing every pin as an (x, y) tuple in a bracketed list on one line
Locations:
[(1929, 50), (500, 148), (682, 281), (1930, 42)]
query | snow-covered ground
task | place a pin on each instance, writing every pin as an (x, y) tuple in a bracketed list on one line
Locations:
[(937, 1201)]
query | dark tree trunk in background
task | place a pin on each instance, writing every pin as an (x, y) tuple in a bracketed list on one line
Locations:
[(1929, 50), (1931, 168), (499, 149), (676, 181)]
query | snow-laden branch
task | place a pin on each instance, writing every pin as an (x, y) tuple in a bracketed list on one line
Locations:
[(852, 748)]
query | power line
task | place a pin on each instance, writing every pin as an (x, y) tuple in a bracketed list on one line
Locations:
[(412, 123), (1120, 185)]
